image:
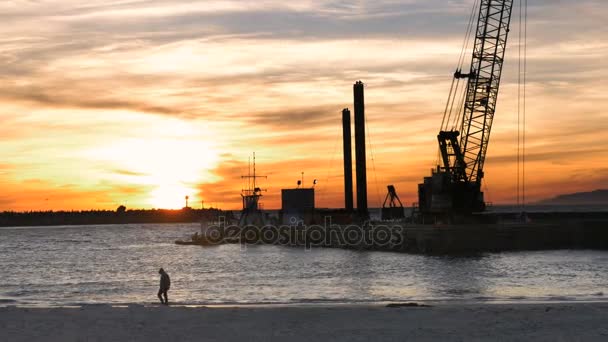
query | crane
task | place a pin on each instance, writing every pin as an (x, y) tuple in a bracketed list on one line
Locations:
[(454, 187)]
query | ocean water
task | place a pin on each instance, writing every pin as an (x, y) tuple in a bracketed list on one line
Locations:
[(119, 264)]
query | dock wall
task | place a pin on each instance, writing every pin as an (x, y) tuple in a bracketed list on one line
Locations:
[(427, 239)]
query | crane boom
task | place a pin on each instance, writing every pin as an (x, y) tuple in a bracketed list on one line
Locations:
[(455, 186), (483, 84)]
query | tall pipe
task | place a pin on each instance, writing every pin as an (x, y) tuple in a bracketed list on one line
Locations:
[(360, 149), (348, 161)]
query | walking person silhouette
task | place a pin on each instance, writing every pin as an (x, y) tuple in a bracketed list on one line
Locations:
[(165, 284)]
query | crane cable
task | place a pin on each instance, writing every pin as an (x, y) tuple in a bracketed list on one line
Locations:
[(521, 104), (461, 100), (325, 186), (519, 107), (371, 151), (453, 93), (460, 110), (447, 105), (448, 120), (524, 103)]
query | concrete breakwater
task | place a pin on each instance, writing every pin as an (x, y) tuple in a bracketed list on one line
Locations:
[(427, 239)]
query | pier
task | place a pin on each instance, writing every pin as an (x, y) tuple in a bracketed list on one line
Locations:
[(585, 231)]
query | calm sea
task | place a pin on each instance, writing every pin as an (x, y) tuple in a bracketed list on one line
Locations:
[(119, 264)]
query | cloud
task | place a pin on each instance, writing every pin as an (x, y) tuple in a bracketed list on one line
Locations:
[(564, 155), (128, 173), (42, 195), (273, 76), (57, 100), (296, 119)]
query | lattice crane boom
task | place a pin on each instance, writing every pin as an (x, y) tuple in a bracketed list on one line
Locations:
[(455, 186), (483, 84)]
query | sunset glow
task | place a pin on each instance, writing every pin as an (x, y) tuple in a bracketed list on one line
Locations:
[(143, 103)]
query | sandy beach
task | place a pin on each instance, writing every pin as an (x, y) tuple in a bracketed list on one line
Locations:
[(468, 322)]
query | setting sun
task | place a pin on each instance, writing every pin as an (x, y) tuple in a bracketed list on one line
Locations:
[(172, 196), (168, 164)]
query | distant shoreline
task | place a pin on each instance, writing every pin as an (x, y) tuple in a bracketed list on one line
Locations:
[(98, 217), (190, 215)]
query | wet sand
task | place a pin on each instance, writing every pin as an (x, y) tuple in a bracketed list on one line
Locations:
[(463, 322)]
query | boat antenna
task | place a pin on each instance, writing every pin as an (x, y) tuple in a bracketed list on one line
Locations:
[(251, 179)]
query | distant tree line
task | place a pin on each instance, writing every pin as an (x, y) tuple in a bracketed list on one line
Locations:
[(120, 216)]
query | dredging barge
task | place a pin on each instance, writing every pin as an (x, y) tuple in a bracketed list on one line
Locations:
[(550, 231), (450, 216)]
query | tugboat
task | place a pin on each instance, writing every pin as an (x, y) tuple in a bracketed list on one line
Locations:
[(251, 214)]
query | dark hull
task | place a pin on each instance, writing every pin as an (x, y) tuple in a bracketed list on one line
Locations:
[(433, 239)]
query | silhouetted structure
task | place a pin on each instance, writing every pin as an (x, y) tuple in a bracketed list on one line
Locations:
[(360, 156), (453, 191), (392, 209), (252, 213), (297, 205), (348, 161), (120, 216)]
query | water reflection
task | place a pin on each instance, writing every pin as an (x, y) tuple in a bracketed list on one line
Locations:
[(119, 264), (461, 277)]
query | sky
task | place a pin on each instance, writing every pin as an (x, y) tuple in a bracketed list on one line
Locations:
[(141, 102)]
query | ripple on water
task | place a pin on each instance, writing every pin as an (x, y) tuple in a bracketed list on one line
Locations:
[(119, 264)]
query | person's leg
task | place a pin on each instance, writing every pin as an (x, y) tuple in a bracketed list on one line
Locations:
[(160, 296), (166, 298)]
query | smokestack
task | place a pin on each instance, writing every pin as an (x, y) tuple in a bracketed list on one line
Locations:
[(360, 149), (348, 161)]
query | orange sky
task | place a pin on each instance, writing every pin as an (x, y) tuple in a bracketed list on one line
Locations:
[(141, 103)]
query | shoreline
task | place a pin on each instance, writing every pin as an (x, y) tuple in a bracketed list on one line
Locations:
[(320, 304), (506, 212), (545, 322)]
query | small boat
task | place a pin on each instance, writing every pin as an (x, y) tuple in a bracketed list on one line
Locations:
[(181, 242), (251, 214), (197, 239)]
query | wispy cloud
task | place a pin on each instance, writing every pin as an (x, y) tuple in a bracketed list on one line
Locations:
[(86, 89)]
